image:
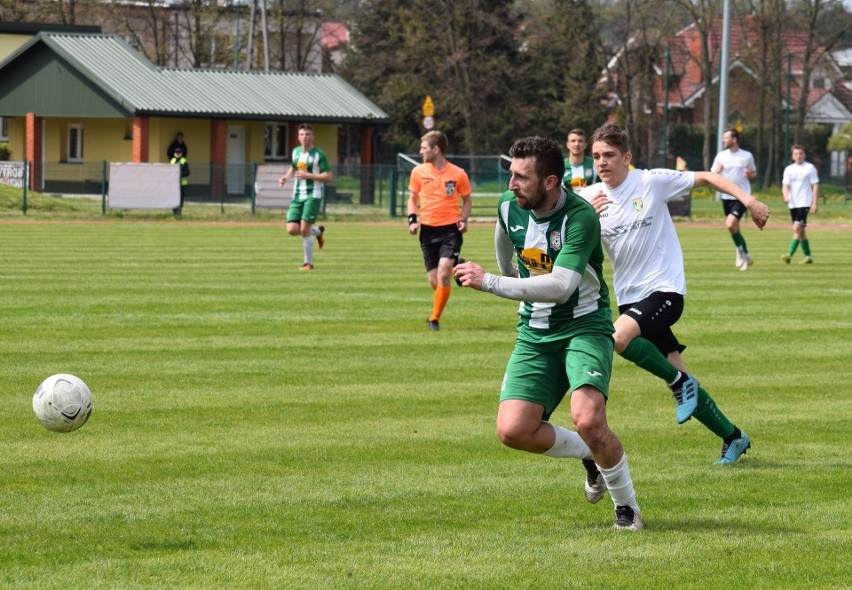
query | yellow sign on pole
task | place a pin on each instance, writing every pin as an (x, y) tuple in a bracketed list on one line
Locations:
[(428, 107)]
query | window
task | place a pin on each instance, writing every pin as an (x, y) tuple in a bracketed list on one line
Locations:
[(4, 129), (275, 141), (75, 143)]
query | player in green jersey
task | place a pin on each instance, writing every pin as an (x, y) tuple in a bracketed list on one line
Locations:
[(565, 330), (311, 169)]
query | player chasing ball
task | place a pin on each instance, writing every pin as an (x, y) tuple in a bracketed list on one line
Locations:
[(641, 243), (565, 329)]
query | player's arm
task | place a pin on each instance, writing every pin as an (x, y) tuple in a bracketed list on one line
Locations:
[(287, 176), (555, 287), (413, 199), (785, 192), (815, 198), (505, 252), (464, 216), (759, 211)]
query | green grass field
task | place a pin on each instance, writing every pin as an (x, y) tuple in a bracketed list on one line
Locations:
[(260, 427)]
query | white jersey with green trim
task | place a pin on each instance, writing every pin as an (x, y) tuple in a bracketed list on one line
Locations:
[(800, 180), (639, 235), (734, 166), (315, 162), (570, 238)]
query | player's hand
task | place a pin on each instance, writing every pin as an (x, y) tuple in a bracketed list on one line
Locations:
[(759, 213), (412, 228), (469, 274), (600, 202), (281, 181)]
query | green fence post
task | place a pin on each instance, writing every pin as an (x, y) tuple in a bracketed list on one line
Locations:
[(26, 182), (103, 188), (392, 197), (253, 187)]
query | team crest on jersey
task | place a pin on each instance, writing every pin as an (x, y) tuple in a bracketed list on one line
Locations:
[(637, 204), (555, 240), (450, 187)]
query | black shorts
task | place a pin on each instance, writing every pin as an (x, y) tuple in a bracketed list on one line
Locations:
[(800, 215), (733, 207), (440, 241), (656, 314)]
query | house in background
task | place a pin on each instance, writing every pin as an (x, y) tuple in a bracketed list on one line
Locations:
[(74, 98), (827, 93)]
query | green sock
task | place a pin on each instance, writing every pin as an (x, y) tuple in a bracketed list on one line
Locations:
[(794, 243), (806, 248), (644, 354), (739, 240), (711, 416)]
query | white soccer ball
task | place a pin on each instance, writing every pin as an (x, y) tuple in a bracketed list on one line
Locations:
[(62, 403)]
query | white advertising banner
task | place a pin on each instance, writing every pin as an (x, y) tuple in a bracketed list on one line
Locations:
[(12, 174), (143, 186), (266, 190)]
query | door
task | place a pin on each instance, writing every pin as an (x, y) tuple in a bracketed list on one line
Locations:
[(235, 172)]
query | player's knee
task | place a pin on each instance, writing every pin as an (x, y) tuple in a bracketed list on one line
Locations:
[(621, 342), (589, 427), (514, 436)]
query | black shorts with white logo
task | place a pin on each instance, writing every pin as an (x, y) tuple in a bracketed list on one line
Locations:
[(800, 215), (440, 241), (733, 207), (656, 314)]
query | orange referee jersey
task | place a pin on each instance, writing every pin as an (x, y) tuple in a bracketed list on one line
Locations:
[(438, 192)]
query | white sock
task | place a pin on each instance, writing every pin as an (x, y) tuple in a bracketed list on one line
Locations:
[(315, 231), (568, 444), (308, 247), (620, 485)]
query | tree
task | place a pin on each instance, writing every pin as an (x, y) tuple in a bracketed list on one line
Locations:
[(398, 56)]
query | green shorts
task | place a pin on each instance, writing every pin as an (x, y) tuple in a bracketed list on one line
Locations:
[(306, 210), (543, 373)]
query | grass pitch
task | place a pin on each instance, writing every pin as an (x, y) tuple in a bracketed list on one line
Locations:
[(260, 427)]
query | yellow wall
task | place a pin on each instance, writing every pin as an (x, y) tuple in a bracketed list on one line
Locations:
[(109, 139), (9, 43)]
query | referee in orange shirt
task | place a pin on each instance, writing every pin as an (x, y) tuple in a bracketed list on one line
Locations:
[(435, 188)]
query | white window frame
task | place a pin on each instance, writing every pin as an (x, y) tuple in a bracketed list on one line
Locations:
[(77, 158), (4, 129), (273, 152)]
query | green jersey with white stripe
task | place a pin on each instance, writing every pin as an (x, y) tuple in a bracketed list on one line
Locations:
[(315, 162), (571, 238)]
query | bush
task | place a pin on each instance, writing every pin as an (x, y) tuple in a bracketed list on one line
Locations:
[(5, 152)]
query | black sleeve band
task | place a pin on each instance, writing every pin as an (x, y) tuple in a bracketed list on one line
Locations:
[(412, 219)]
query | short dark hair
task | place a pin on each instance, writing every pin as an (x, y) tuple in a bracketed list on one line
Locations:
[(436, 138), (734, 133), (306, 127), (576, 131), (546, 152), (612, 134), (798, 147)]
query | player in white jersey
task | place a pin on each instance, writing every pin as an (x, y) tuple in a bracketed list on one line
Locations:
[(640, 240), (800, 188), (736, 165), (565, 329)]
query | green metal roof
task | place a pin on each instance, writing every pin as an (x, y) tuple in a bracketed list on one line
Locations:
[(140, 87)]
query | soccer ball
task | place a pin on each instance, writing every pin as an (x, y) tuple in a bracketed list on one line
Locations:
[(62, 403)]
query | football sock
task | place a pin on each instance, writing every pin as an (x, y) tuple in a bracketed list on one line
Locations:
[(739, 240), (737, 433), (641, 352), (711, 416), (619, 484), (794, 243), (308, 247), (806, 248), (439, 302), (568, 444), (315, 231)]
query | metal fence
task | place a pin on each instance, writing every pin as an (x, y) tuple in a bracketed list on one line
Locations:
[(380, 188), (85, 187)]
